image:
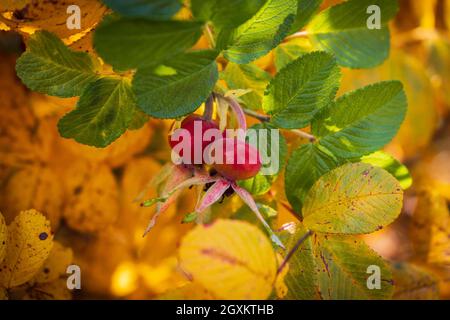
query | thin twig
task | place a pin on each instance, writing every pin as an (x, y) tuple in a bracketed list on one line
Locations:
[(305, 135), (293, 250), (238, 111), (256, 115), (207, 115)]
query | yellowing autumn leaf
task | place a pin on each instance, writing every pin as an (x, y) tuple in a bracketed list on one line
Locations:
[(3, 237), (334, 267), (29, 243), (231, 259), (56, 265), (414, 283), (99, 257), (53, 15), (353, 199), (55, 290), (430, 228), (190, 291), (33, 187), (117, 153), (93, 202), (13, 4)]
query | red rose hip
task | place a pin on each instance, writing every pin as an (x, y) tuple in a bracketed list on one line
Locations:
[(189, 124), (239, 161)]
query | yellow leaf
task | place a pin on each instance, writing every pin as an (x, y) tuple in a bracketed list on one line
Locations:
[(13, 4), (281, 288), (56, 265), (430, 229), (29, 243), (355, 198), (22, 140), (98, 259), (117, 153), (414, 283), (55, 290), (232, 259), (3, 237), (93, 202), (190, 291), (33, 187), (52, 16)]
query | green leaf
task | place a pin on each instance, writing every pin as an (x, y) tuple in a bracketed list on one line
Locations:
[(225, 14), (289, 51), (414, 282), (102, 114), (362, 121), (247, 76), (390, 164), (267, 210), (139, 119), (49, 67), (305, 11), (129, 43), (355, 198), (178, 87), (262, 182), (261, 33), (150, 9), (343, 30), (306, 164), (301, 89), (333, 267)]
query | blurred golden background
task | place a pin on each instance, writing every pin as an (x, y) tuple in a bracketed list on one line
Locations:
[(88, 194)]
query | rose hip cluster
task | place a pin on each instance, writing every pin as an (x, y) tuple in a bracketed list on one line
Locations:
[(238, 160), (210, 158)]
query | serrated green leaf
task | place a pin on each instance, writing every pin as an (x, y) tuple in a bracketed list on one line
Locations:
[(129, 43), (49, 67), (342, 29), (261, 183), (247, 76), (355, 198), (306, 164), (138, 120), (149, 9), (333, 267), (362, 121), (390, 164), (102, 114), (301, 89), (289, 51), (305, 11), (225, 14), (261, 33), (177, 88)]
